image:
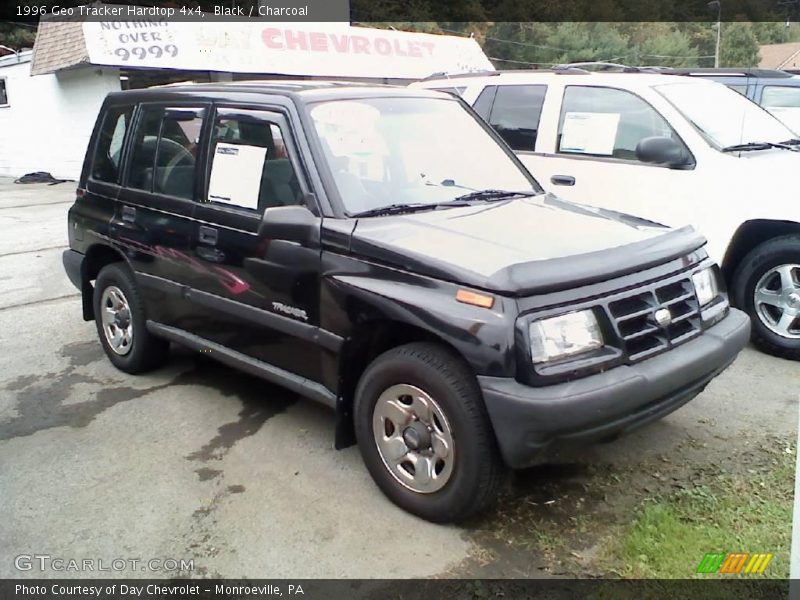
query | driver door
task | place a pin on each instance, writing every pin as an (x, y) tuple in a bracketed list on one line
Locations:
[(261, 294)]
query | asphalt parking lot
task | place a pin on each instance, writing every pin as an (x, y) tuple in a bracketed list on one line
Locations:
[(199, 462)]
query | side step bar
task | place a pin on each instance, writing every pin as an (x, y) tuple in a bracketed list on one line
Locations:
[(248, 364)]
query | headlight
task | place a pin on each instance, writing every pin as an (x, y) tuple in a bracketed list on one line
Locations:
[(559, 337), (705, 285)]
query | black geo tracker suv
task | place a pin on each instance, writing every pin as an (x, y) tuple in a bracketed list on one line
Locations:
[(382, 251)]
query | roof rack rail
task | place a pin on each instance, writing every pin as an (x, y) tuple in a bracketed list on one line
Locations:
[(443, 75), (731, 72), (599, 66)]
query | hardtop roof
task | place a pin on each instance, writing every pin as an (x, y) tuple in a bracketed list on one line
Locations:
[(300, 90)]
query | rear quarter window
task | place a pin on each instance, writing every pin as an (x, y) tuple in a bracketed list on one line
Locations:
[(106, 162)]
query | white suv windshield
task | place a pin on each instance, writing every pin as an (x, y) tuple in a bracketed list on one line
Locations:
[(386, 151), (724, 117)]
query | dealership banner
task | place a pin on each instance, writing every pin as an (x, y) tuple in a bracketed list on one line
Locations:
[(322, 49)]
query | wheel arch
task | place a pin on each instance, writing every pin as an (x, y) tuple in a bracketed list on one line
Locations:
[(749, 235), (97, 256), (369, 340)]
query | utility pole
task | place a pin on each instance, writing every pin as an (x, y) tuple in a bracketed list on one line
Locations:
[(717, 4)]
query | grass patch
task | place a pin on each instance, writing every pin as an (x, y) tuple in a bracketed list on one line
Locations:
[(749, 511)]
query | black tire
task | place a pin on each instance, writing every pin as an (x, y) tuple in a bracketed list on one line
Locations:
[(477, 470), (758, 262), (146, 352)]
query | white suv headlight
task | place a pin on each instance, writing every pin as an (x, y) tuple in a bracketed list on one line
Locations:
[(559, 337), (705, 285)]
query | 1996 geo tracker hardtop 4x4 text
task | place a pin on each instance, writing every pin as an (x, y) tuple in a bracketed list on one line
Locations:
[(379, 250)]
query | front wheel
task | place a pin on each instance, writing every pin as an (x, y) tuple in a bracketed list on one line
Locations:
[(424, 434), (767, 286)]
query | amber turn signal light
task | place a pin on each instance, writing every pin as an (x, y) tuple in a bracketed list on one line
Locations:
[(475, 299)]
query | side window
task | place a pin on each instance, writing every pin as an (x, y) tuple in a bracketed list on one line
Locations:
[(778, 96), (607, 122), (483, 104), (250, 165), (3, 92), (784, 103), (143, 156), (177, 155), (108, 152), (515, 114), (742, 89), (165, 151)]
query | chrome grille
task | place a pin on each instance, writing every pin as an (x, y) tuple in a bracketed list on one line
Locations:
[(634, 317)]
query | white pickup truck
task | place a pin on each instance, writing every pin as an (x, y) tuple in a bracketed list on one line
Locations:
[(671, 149)]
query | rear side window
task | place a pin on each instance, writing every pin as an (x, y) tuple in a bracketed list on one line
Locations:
[(483, 105), (3, 92), (108, 151), (165, 151), (515, 114), (250, 165), (742, 89), (607, 122)]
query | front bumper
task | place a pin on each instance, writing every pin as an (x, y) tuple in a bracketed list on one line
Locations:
[(526, 419)]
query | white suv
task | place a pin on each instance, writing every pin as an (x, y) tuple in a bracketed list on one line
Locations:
[(671, 149)]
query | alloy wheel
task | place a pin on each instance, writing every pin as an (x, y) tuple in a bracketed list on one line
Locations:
[(777, 300)]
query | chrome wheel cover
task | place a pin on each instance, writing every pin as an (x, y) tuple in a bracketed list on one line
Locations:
[(115, 314), (414, 438)]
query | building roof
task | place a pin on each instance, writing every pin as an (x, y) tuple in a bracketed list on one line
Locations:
[(59, 45), (780, 56)]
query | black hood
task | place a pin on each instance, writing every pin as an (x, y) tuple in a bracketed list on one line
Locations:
[(521, 246)]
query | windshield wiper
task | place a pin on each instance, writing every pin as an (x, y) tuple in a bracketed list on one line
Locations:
[(394, 209), (485, 195), (465, 200), (750, 146)]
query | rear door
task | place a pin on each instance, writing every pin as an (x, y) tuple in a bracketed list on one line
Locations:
[(96, 205), (154, 218), (263, 293)]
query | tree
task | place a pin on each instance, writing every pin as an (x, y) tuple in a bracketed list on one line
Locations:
[(739, 46), (589, 42), (16, 36), (669, 48)]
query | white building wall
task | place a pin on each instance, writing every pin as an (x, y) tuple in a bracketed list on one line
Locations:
[(49, 119)]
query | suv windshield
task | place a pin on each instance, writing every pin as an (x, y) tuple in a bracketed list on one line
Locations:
[(724, 117), (397, 151)]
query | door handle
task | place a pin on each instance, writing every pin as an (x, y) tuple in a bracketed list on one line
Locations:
[(128, 214), (208, 235), (562, 180)]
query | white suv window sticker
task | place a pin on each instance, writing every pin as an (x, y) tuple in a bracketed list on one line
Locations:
[(589, 133), (236, 174)]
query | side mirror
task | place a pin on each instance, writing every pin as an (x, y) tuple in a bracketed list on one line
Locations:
[(292, 223), (664, 151)]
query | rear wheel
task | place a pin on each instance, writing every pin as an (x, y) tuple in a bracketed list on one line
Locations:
[(121, 323), (767, 286), (424, 433)]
